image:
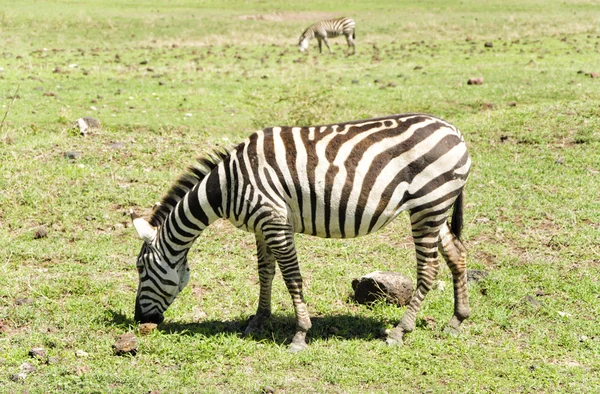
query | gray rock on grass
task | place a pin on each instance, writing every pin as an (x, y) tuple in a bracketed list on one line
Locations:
[(390, 287), (87, 124)]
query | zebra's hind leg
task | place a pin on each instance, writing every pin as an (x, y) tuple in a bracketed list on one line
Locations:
[(351, 44), (426, 247), (280, 239), (456, 256), (266, 272)]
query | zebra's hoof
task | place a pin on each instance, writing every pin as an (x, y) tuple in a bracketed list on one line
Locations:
[(296, 347), (452, 331), (394, 337), (394, 342)]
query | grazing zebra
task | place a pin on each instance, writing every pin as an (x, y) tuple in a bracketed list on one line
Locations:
[(329, 28), (336, 181)]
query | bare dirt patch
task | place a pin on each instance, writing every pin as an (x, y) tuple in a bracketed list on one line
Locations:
[(289, 16)]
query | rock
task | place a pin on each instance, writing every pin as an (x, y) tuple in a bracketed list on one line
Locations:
[(126, 344), (392, 287), (23, 301), (40, 232), (37, 352), (533, 302), (86, 124), (268, 390), (475, 81), (146, 328), (27, 368), (81, 354), (117, 145), (489, 44), (72, 155), (3, 328), (18, 377), (475, 275)]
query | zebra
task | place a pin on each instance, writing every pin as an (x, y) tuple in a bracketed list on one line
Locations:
[(334, 181), (329, 28)]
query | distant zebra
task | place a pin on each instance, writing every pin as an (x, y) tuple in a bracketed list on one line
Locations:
[(336, 181), (329, 28)]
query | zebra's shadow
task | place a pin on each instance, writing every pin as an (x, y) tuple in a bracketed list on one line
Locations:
[(279, 329)]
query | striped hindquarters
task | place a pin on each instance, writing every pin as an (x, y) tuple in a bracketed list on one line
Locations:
[(349, 179), (330, 28)]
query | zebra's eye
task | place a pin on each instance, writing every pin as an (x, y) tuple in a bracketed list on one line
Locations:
[(139, 268)]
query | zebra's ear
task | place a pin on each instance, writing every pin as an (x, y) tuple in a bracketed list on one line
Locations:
[(143, 228)]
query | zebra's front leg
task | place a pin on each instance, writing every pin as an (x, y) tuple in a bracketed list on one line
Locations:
[(426, 247), (281, 242), (328, 47), (455, 255), (266, 272)]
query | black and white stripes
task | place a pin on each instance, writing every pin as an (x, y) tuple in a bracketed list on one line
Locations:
[(337, 181), (323, 30)]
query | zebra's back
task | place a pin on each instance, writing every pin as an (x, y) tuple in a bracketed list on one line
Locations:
[(334, 27), (350, 179)]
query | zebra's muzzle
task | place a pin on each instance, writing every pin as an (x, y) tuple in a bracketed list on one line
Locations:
[(155, 317)]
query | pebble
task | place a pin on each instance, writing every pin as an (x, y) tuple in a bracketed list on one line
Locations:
[(37, 352), (72, 155), (40, 232), (27, 368), (475, 81), (19, 377), (126, 344), (81, 354), (146, 328)]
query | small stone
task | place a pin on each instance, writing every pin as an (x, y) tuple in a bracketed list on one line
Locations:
[(268, 390), (564, 314), (87, 124), (81, 354), (533, 302), (23, 301), (52, 360), (40, 232), (37, 352), (391, 287), (475, 81), (333, 330), (126, 344), (475, 275), (146, 328), (18, 377), (117, 145), (27, 368), (489, 44), (583, 338), (72, 155)]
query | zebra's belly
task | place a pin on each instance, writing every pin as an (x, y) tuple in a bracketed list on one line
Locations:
[(350, 217)]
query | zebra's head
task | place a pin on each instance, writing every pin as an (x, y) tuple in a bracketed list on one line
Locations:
[(303, 42), (160, 280)]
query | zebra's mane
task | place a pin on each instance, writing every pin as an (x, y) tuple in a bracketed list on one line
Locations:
[(194, 175)]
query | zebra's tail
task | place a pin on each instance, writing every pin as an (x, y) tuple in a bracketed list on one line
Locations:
[(354, 33), (457, 216)]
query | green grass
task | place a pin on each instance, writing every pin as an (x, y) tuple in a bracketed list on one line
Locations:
[(173, 81)]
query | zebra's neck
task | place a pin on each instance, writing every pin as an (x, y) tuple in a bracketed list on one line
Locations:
[(193, 213), (309, 33)]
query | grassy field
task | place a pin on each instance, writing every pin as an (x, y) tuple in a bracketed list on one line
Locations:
[(169, 82)]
